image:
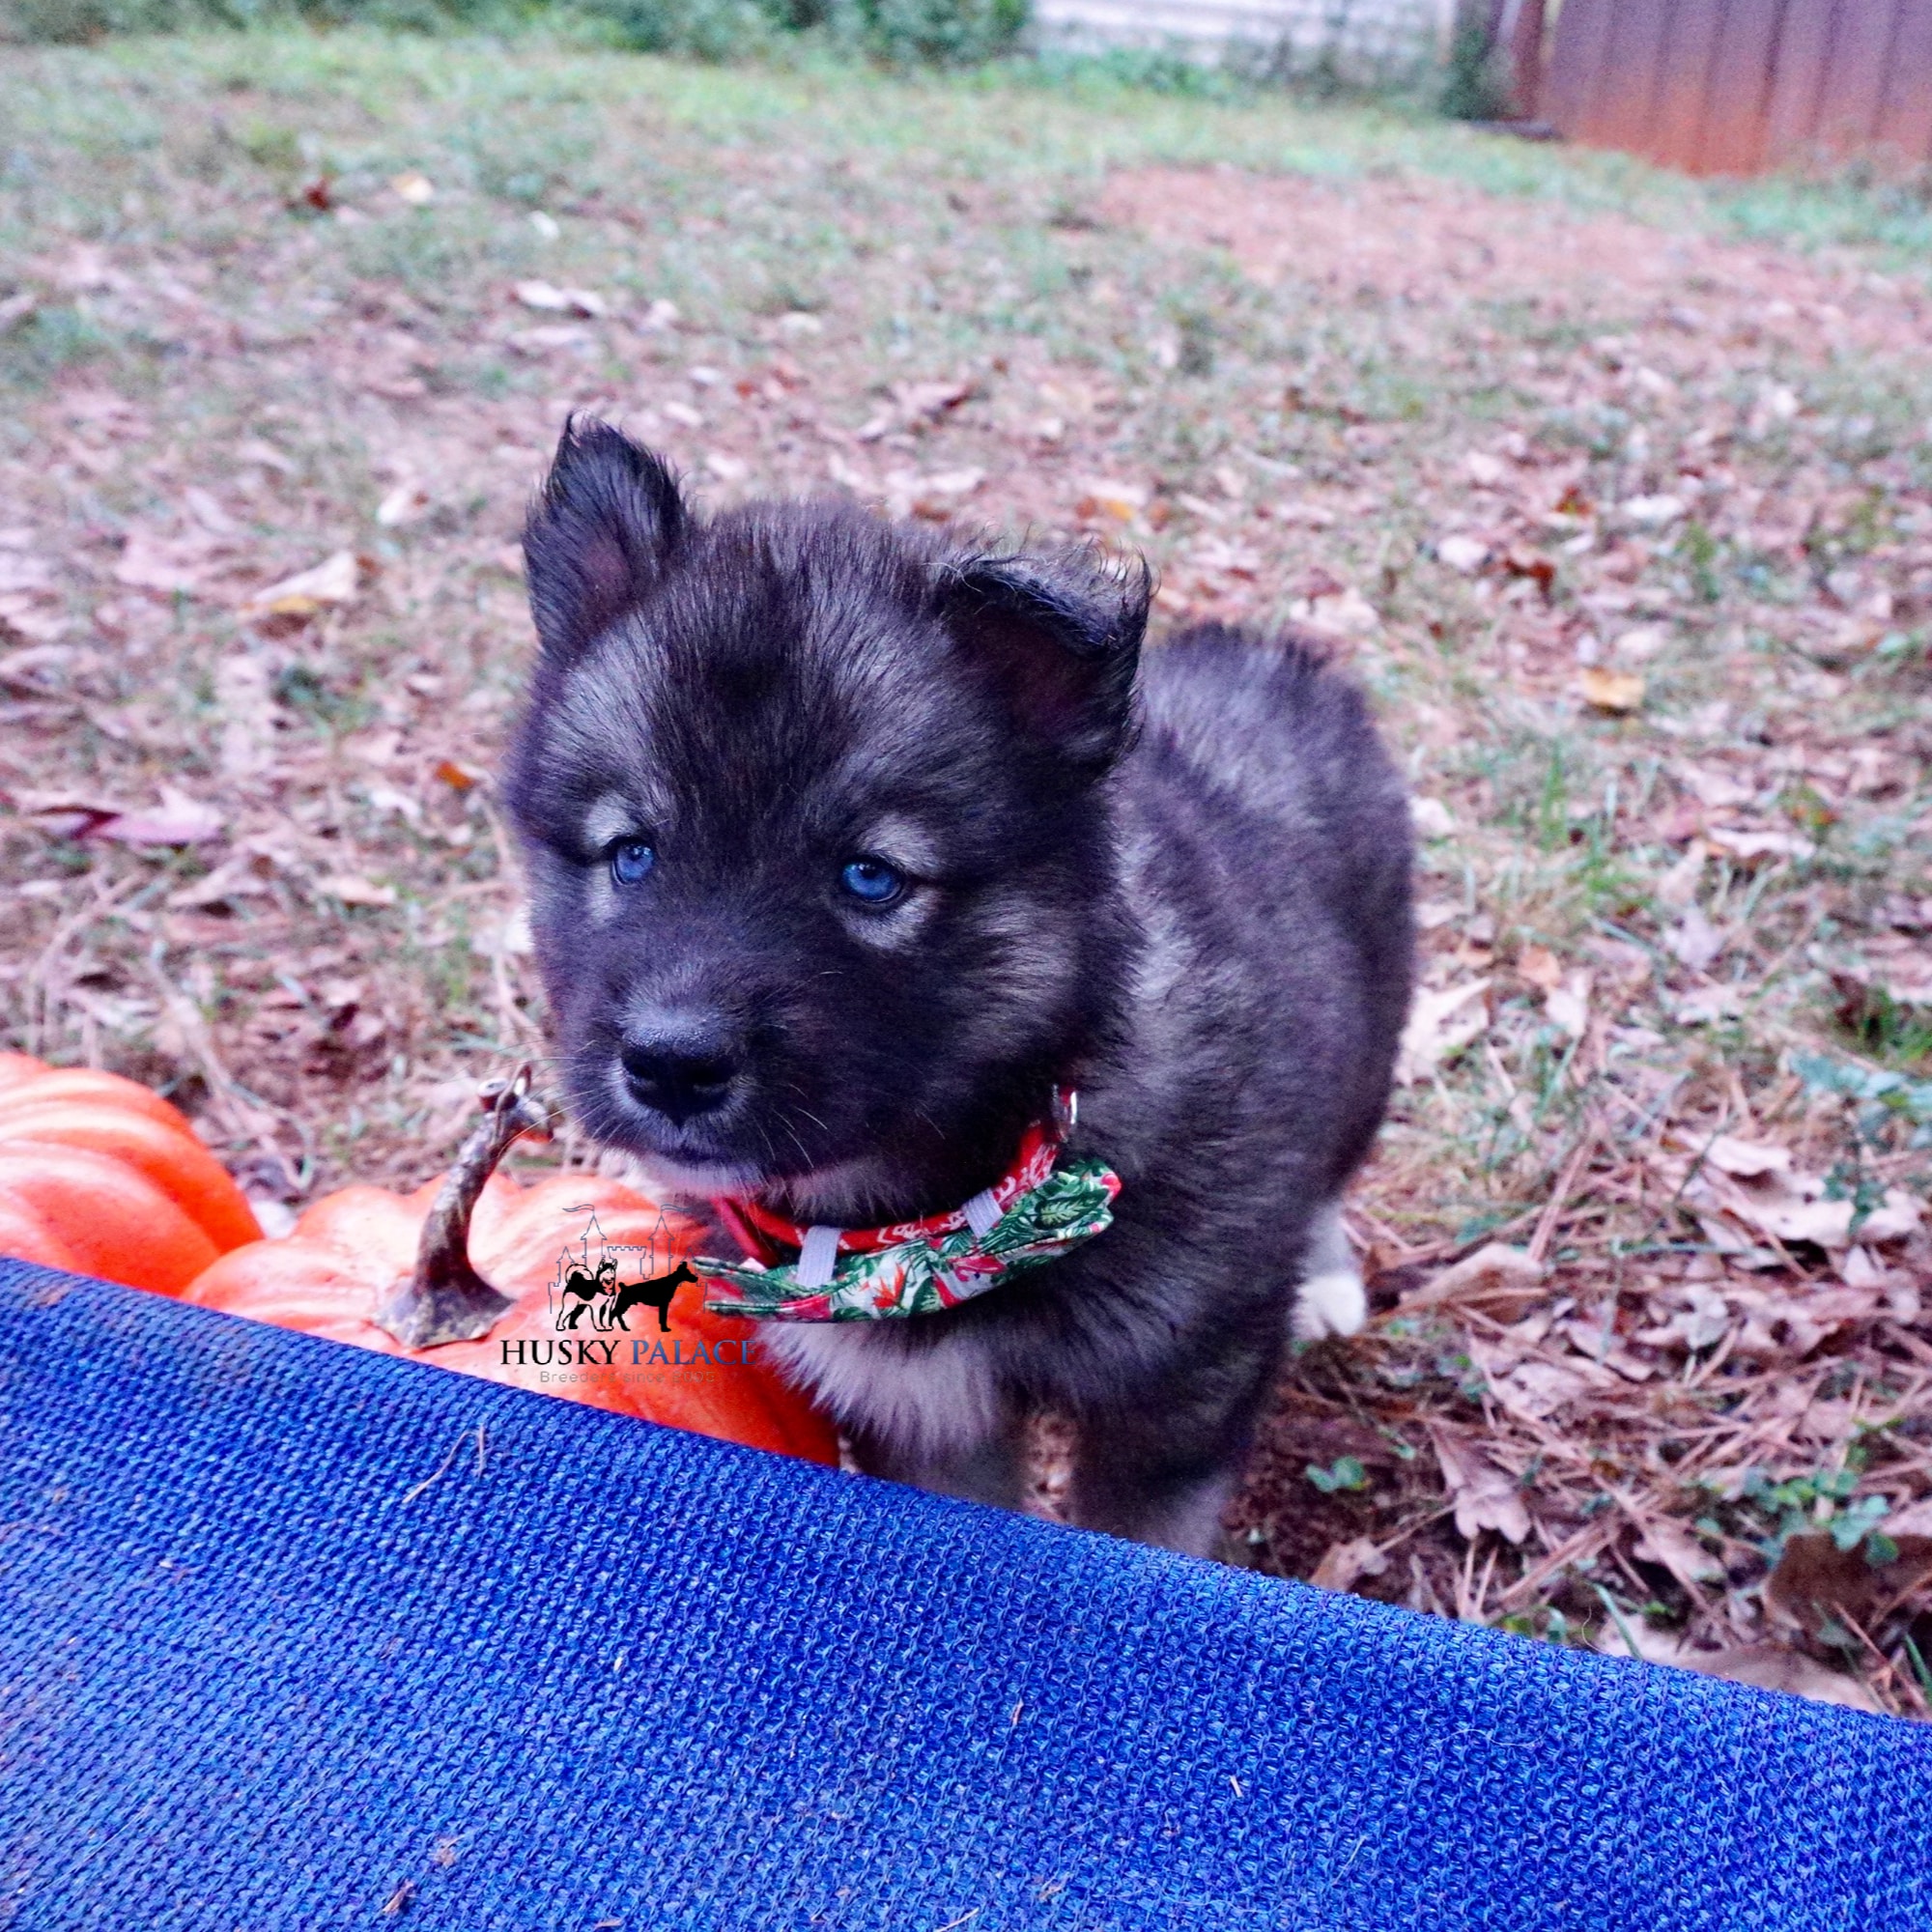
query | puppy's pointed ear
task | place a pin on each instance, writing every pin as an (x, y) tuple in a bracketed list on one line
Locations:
[(608, 516), (1061, 636)]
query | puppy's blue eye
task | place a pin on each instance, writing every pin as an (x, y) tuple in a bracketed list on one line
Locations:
[(632, 860), (873, 881)]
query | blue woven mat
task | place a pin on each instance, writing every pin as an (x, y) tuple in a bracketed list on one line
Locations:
[(276, 1652)]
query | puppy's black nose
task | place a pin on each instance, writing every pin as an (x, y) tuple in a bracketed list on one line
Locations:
[(680, 1066)]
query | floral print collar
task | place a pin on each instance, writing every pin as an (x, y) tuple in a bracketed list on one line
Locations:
[(1039, 1208)]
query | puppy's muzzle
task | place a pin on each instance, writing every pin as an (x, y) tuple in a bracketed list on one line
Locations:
[(681, 1065)]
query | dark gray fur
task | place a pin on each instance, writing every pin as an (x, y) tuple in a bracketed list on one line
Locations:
[(1181, 886)]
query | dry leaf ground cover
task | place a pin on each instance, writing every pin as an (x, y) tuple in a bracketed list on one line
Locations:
[(1616, 492)]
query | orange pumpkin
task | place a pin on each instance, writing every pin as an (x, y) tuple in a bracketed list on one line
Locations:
[(102, 1177), (462, 1274)]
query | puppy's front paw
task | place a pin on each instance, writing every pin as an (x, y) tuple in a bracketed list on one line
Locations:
[(1334, 1304)]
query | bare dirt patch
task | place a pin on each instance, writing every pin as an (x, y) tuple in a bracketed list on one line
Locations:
[(1413, 239)]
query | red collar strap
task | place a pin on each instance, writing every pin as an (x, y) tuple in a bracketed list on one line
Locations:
[(764, 1234), (1038, 1209)]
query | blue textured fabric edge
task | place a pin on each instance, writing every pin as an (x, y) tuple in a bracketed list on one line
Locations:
[(277, 1650)]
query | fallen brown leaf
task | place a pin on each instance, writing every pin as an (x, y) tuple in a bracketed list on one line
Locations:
[(1540, 967), (1694, 939), (1344, 1565), (1762, 1666), (1816, 1579), (1485, 1496), (928, 402), (150, 562), (547, 297), (1765, 1666), (1569, 1004), (1122, 501), (352, 889), (1467, 555), (1619, 691), (334, 581), (403, 505), (1891, 975), (1792, 1206), (1668, 1544), (1343, 612), (178, 820), (1747, 847), (1491, 1273), (1441, 1023)]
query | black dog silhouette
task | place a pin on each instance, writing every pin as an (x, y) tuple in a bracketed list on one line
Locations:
[(586, 1287), (654, 1293)]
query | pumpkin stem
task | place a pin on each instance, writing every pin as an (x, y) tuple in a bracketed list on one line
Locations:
[(445, 1299)]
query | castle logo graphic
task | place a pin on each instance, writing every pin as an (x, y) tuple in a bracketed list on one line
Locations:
[(591, 1280)]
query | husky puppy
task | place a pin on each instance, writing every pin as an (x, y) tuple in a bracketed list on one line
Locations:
[(850, 844)]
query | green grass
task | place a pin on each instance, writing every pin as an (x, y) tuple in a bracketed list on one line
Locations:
[(987, 119)]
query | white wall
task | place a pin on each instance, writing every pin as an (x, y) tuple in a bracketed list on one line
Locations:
[(1365, 34)]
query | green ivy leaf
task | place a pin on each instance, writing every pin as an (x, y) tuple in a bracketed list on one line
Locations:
[(1343, 1473)]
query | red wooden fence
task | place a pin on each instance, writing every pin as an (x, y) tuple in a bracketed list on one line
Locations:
[(1738, 86)]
